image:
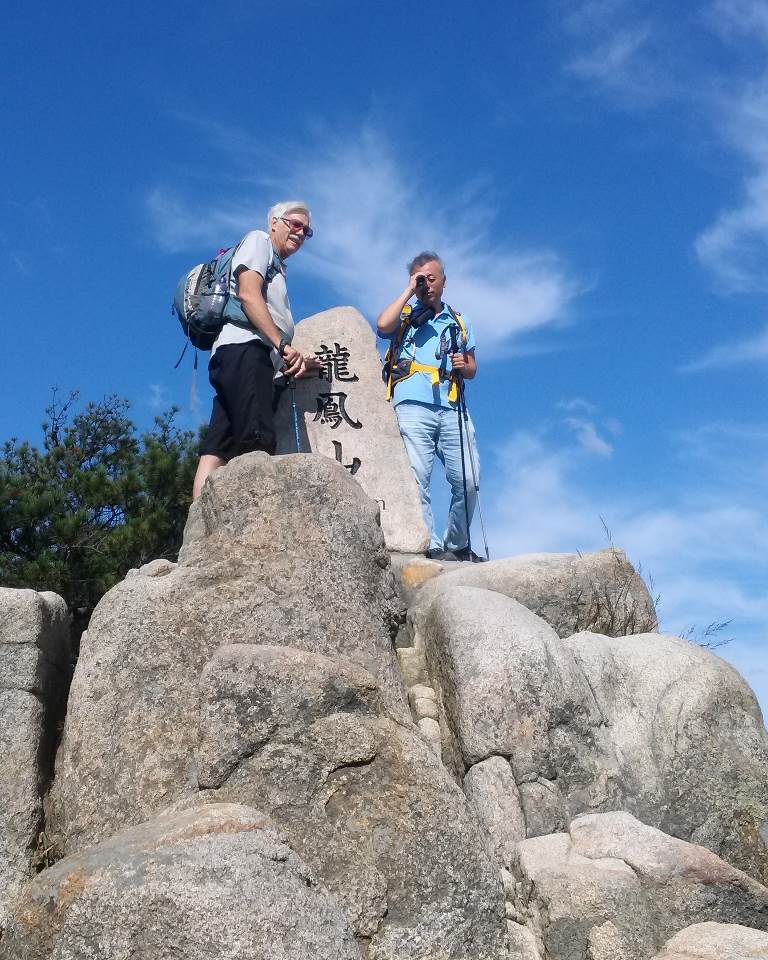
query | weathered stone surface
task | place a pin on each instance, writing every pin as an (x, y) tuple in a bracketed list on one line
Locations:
[(544, 807), (522, 943), (614, 887), (155, 568), (283, 550), (34, 640), (212, 883), (345, 416), (425, 709), (423, 701), (509, 687), (491, 789), (716, 941), (360, 797), (598, 591), (34, 649), (412, 571), (413, 665), (649, 724), (430, 731), (689, 737), (414, 574), (250, 696), (261, 670), (420, 692)]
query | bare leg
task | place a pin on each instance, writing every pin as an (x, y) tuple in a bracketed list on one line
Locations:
[(208, 463)]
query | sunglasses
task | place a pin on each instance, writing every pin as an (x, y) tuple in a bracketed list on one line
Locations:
[(296, 226)]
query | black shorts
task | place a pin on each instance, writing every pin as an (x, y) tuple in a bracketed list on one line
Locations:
[(242, 419)]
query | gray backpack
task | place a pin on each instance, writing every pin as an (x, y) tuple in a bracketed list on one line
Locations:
[(203, 304)]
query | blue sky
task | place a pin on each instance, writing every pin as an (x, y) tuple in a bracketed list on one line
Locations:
[(594, 173)]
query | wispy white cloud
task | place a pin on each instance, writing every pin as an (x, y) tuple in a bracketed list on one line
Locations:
[(613, 61), (749, 350), (697, 531), (179, 223), (735, 246), (623, 48), (706, 545), (711, 516), (542, 494), (157, 397), (577, 405), (723, 451), (588, 437), (713, 443), (583, 422), (734, 18), (372, 212), (535, 498), (620, 49)]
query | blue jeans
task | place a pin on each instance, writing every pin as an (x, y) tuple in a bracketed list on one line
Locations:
[(428, 429)]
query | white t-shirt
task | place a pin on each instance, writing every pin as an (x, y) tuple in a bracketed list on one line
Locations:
[(255, 252)]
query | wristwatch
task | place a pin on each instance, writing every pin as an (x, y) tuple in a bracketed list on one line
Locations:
[(281, 346)]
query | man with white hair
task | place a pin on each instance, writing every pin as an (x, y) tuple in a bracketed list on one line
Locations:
[(254, 342), (432, 351)]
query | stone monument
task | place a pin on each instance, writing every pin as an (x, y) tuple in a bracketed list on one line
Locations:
[(343, 414)]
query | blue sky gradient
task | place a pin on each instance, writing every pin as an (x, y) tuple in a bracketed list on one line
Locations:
[(594, 173)]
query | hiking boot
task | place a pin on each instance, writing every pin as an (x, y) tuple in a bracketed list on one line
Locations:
[(437, 553), (467, 555)]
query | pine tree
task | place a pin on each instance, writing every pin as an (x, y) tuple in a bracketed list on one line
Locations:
[(95, 501)]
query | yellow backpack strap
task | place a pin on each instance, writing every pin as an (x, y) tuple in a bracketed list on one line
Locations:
[(394, 347), (462, 326), (405, 319), (434, 372), (389, 378)]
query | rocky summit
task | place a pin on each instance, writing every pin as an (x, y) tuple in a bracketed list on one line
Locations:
[(297, 743)]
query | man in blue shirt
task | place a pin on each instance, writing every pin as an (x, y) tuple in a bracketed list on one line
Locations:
[(424, 390)]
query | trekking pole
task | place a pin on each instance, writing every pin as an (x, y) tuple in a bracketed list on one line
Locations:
[(463, 406), (460, 381), (292, 385)]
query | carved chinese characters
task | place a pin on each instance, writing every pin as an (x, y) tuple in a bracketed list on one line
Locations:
[(335, 364), (331, 409), (343, 414)]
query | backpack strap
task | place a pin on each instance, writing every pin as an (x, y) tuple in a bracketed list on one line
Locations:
[(392, 355), (462, 326), (436, 374), (272, 272), (406, 368)]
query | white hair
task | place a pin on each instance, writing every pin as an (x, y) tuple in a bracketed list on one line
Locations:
[(287, 206)]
